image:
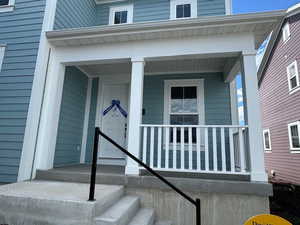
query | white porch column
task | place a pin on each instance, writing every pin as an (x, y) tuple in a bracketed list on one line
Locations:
[(46, 142), (135, 113), (253, 117)]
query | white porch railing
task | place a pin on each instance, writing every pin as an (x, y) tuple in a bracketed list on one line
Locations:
[(205, 149)]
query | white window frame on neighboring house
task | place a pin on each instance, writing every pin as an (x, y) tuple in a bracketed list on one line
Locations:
[(175, 3), (114, 9), (286, 34), (2, 51), (291, 76), (9, 7), (267, 131), (292, 148)]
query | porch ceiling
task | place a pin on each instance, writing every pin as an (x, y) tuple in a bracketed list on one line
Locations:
[(167, 66), (260, 24)]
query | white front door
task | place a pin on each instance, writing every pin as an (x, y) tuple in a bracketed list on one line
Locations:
[(114, 122)]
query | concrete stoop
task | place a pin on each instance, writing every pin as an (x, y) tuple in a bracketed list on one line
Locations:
[(61, 203)]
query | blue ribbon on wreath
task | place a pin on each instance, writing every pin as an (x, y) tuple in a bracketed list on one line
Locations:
[(115, 104)]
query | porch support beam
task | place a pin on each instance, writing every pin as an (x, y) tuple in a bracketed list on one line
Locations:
[(46, 141), (135, 113), (253, 116)]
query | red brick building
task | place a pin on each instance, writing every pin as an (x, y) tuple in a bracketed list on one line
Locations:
[(279, 86)]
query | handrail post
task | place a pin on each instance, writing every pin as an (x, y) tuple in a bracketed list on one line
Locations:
[(94, 165), (198, 211)]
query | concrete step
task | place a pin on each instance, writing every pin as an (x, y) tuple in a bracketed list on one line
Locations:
[(120, 213), (163, 223), (143, 217)]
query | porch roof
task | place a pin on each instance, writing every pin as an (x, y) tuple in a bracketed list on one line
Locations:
[(260, 24)]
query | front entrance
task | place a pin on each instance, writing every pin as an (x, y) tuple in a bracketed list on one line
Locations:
[(114, 122)]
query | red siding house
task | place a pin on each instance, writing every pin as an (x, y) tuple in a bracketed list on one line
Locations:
[(279, 87)]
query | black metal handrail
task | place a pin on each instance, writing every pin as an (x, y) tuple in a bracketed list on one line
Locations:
[(196, 203)]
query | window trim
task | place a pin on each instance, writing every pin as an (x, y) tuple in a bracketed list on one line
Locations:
[(293, 150), (286, 27), (292, 90), (2, 51), (199, 83), (269, 133), (173, 6), (8, 8), (114, 9)]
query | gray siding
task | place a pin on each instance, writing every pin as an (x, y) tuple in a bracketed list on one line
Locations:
[(20, 30), (92, 118), (75, 13), (78, 13), (70, 129)]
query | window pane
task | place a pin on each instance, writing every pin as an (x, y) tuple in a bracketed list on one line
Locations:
[(295, 136), (4, 2), (187, 10), (179, 11), (292, 71), (267, 143), (190, 100), (117, 17), (124, 17), (184, 120), (293, 82), (176, 99)]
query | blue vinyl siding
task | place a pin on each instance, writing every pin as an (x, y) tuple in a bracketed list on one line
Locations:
[(70, 129), (75, 13), (20, 31), (217, 110), (217, 97), (92, 118)]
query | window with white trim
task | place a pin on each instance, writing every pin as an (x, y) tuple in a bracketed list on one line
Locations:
[(2, 50), (293, 76), (185, 105), (267, 140), (7, 5), (121, 14), (180, 9), (286, 32), (294, 136)]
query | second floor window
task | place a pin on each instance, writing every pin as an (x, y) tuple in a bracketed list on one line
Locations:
[(293, 76), (294, 136), (267, 140), (121, 14), (2, 50), (180, 9)]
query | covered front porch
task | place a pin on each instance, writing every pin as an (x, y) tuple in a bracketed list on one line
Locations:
[(185, 108)]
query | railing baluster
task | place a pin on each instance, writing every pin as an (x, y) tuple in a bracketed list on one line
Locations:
[(174, 147), (167, 141), (215, 153), (198, 144), (182, 155), (231, 144), (159, 148), (223, 149), (145, 145), (190, 149), (206, 150), (242, 150), (152, 147)]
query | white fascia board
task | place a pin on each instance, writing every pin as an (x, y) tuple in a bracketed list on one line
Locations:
[(101, 2)]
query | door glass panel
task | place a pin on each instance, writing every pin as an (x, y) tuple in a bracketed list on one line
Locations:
[(184, 100)]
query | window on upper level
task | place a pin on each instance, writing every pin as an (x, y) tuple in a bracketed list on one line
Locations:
[(180, 9), (121, 14), (286, 32), (7, 5), (2, 50), (293, 77), (294, 136), (267, 140)]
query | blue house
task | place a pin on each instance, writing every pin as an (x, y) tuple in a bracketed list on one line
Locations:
[(156, 76)]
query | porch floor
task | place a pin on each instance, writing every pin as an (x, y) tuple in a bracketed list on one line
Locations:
[(115, 175)]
